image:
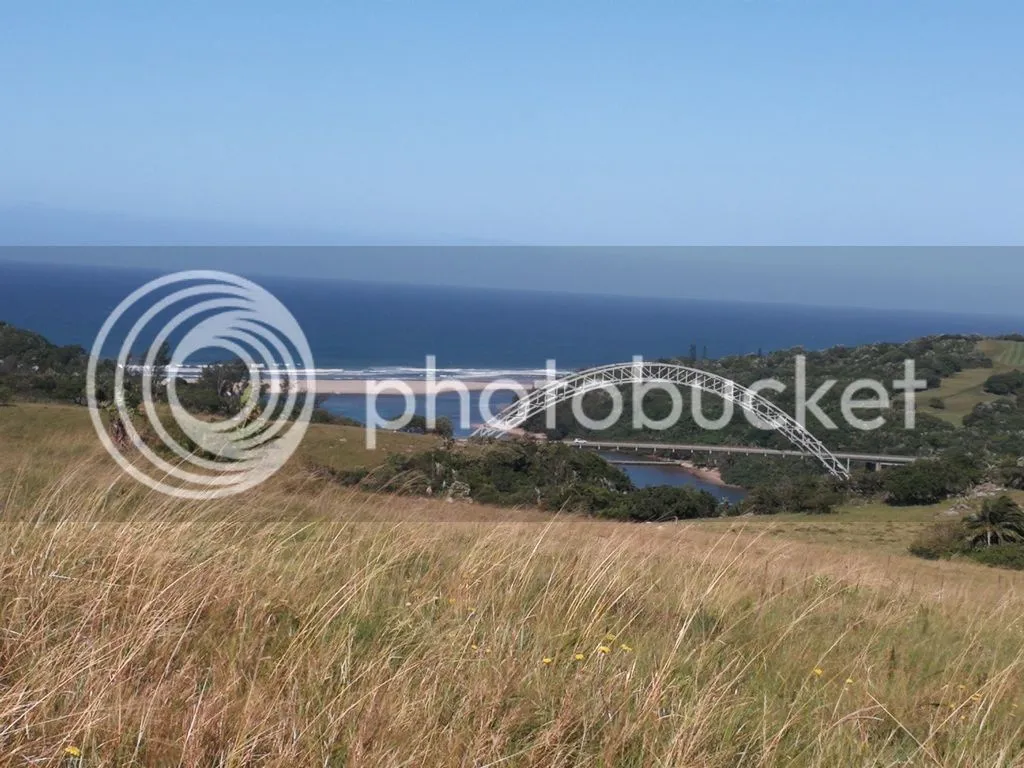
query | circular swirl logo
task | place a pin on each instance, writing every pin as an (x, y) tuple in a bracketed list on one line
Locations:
[(193, 315)]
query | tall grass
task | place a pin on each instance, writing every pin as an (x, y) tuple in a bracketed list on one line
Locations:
[(146, 631), (306, 625)]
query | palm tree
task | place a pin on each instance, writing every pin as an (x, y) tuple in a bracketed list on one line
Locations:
[(1000, 521)]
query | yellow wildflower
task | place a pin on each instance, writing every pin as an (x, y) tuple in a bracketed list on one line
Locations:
[(609, 638), (626, 648), (475, 647), (72, 751), (579, 657), (548, 660), (604, 649), (849, 681), (818, 671)]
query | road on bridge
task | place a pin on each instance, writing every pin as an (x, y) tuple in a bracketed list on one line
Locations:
[(743, 450)]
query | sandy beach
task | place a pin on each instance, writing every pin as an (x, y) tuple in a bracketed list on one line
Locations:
[(415, 386)]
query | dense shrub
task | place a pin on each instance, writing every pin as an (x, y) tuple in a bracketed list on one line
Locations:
[(1009, 383), (1003, 556), (33, 368), (548, 475), (665, 503), (1010, 474), (993, 536), (936, 357), (867, 483), (752, 471), (930, 481), (419, 425), (809, 495), (998, 426), (551, 476), (323, 416)]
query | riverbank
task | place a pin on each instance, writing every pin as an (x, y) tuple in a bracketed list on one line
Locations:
[(710, 475)]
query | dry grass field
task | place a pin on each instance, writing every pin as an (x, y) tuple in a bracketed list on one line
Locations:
[(303, 624)]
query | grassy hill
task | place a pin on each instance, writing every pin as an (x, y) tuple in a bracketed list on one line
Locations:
[(1008, 354), (307, 624), (963, 391)]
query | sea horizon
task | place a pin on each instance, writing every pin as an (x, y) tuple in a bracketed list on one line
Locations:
[(362, 330)]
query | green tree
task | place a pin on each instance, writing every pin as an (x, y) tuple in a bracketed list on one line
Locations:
[(443, 427), (1009, 383), (417, 424), (930, 480), (1000, 521), (1011, 474), (6, 394), (664, 502), (764, 500), (161, 361)]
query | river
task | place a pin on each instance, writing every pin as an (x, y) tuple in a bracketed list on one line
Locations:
[(646, 475)]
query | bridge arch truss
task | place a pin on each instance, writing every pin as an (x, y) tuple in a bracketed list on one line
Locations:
[(768, 415)]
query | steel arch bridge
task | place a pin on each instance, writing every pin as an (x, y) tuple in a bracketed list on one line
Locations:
[(609, 376)]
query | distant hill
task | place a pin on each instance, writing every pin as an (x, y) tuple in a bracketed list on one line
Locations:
[(32, 367), (35, 225)]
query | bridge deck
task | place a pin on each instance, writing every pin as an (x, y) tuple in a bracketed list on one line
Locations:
[(620, 445)]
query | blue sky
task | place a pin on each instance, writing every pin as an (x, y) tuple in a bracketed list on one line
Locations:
[(728, 122)]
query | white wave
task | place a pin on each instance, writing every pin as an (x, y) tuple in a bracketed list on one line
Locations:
[(385, 372)]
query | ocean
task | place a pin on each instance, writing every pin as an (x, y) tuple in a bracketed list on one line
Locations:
[(376, 330)]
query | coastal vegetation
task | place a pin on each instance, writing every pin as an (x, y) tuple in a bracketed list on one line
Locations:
[(34, 369), (986, 448), (984, 445), (931, 480), (936, 358), (993, 535), (548, 476), (1009, 383), (31, 368)]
